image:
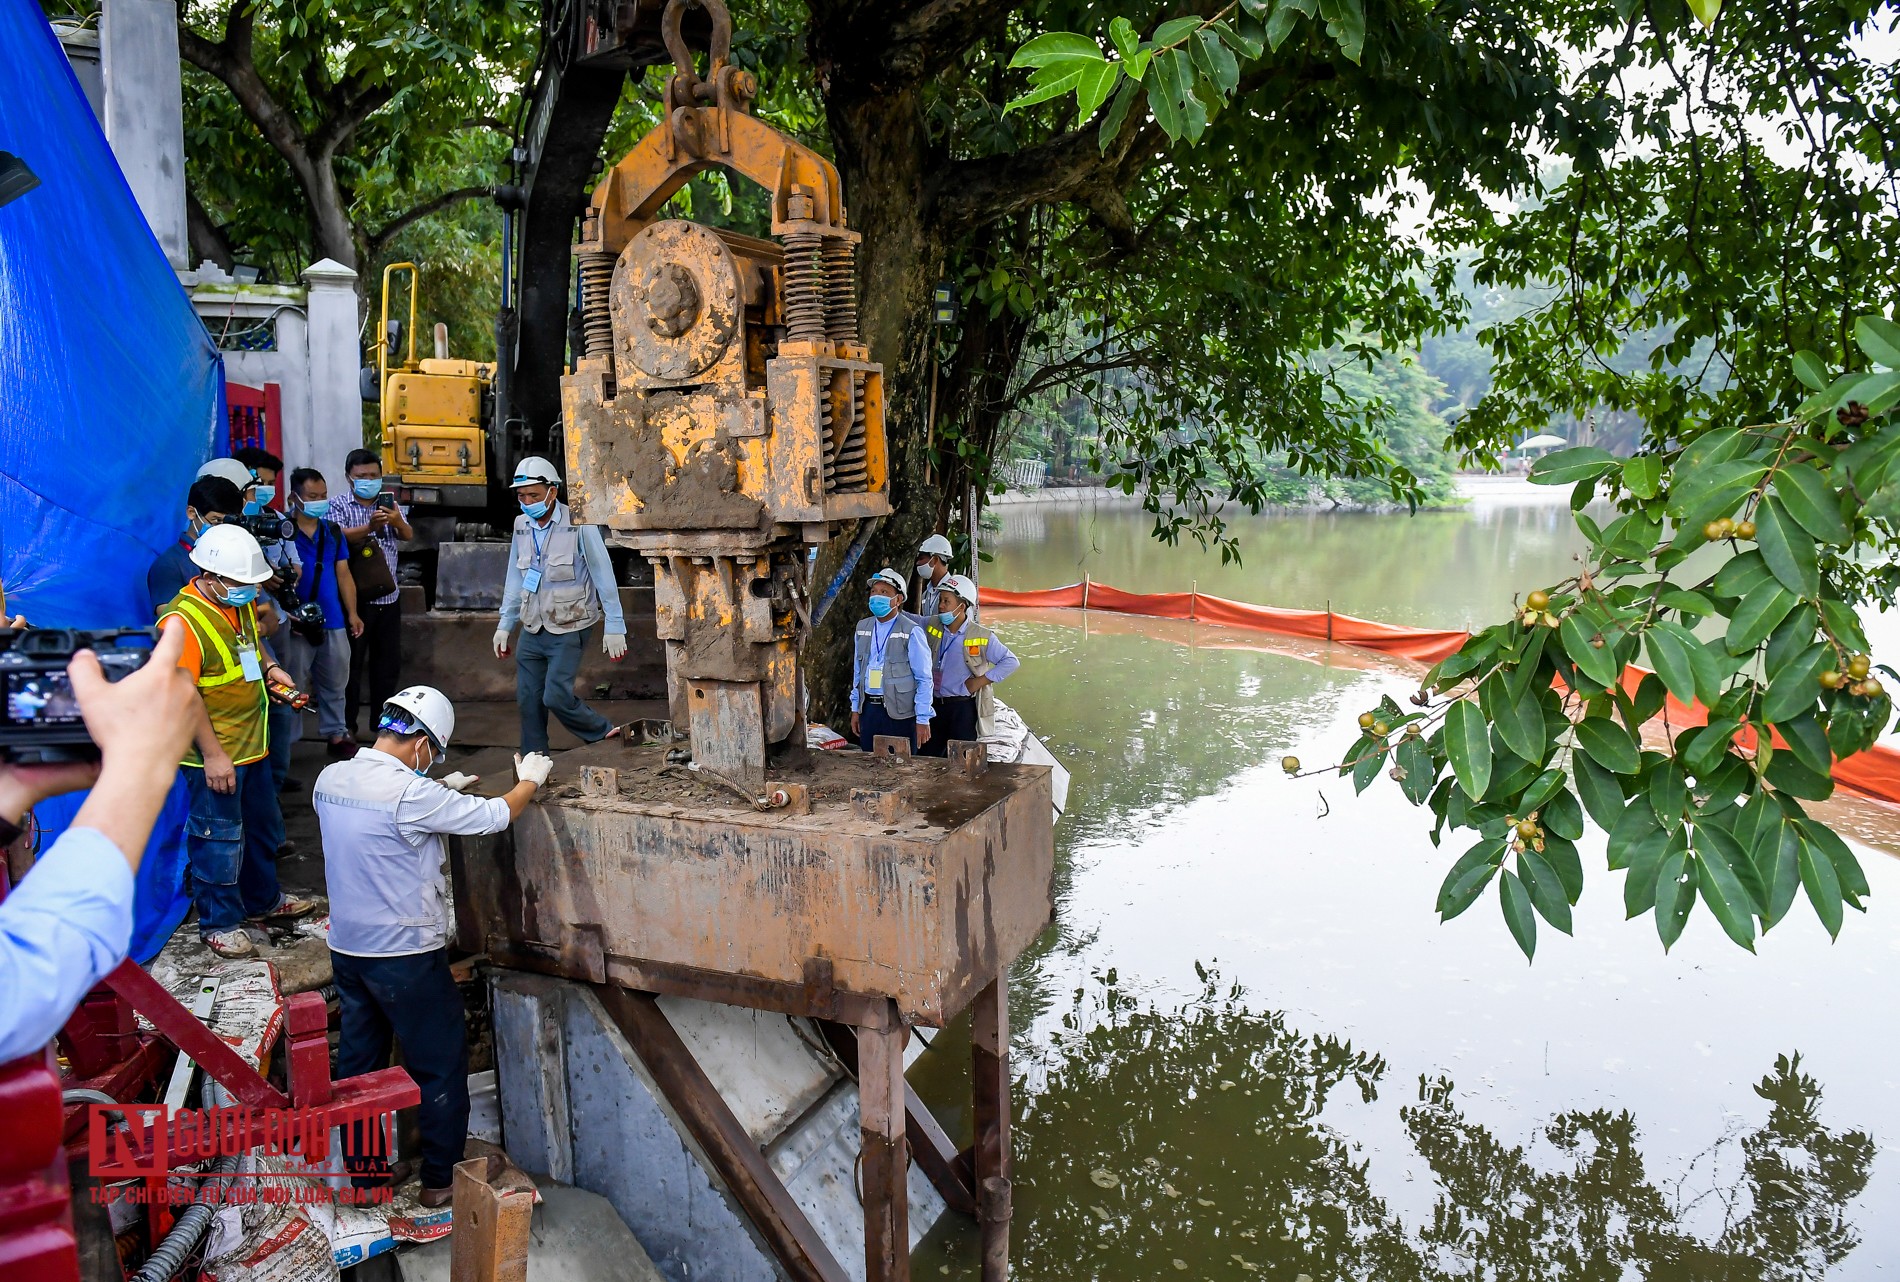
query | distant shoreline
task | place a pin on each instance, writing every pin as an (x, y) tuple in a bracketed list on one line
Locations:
[(1476, 488)]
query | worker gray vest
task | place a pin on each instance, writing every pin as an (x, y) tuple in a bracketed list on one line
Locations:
[(388, 895), (900, 683), (565, 600)]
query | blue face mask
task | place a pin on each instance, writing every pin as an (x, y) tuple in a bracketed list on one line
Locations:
[(265, 493), (243, 594), (535, 511), (316, 509), (880, 607), (948, 618), (368, 488)]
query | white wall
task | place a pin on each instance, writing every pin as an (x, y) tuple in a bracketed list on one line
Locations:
[(145, 114), (336, 403)]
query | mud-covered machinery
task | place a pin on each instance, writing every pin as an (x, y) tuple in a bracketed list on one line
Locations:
[(725, 416)]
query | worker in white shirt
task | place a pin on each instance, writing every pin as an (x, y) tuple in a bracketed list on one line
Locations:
[(969, 659), (933, 566), (382, 820)]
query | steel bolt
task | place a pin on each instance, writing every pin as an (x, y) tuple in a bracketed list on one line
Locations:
[(672, 300)]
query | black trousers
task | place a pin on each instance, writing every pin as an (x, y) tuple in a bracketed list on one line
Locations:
[(376, 656), (874, 721), (414, 998), (955, 719)]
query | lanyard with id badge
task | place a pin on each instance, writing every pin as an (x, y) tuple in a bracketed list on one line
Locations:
[(874, 673), (531, 580)]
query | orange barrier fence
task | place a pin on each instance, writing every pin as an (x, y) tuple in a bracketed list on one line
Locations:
[(1874, 773)]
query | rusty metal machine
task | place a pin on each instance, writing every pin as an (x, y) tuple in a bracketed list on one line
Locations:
[(723, 420), (725, 416)]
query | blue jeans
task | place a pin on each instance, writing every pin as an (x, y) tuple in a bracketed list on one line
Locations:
[(283, 733), (415, 998), (231, 841), (545, 666)]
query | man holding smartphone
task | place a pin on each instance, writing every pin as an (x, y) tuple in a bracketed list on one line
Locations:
[(374, 524)]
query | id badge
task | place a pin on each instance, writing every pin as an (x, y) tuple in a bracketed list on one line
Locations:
[(531, 581), (874, 681), (247, 660)]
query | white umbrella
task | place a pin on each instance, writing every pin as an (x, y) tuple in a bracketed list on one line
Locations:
[(1543, 441)]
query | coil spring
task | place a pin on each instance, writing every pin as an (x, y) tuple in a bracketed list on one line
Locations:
[(852, 469), (841, 290), (824, 432), (597, 322), (804, 287)]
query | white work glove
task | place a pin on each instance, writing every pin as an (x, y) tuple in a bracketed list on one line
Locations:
[(501, 643), (459, 781), (615, 645), (533, 768)]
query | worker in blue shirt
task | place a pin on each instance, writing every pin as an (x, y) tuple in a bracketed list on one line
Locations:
[(69, 921), (560, 583), (209, 501), (969, 660), (890, 668)]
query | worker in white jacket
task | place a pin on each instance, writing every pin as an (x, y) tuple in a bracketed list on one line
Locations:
[(383, 819)]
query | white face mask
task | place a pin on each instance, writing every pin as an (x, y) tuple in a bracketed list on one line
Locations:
[(421, 769)]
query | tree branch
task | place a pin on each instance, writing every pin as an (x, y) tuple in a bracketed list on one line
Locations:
[(1068, 167), (434, 205), (208, 240)]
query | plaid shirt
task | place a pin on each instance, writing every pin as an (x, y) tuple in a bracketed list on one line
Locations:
[(349, 512)]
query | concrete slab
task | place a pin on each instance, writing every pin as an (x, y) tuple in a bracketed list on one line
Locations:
[(575, 1237)]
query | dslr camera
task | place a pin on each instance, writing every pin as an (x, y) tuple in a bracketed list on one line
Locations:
[(42, 723), (265, 527), (306, 617)]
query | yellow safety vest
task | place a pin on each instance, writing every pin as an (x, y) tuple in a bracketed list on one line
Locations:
[(238, 707)]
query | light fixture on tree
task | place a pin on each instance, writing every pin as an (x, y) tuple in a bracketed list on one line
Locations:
[(15, 178), (943, 304)]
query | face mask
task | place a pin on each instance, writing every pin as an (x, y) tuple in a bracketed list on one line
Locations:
[(316, 509), (252, 507), (423, 771), (948, 618), (369, 488), (880, 607), (265, 493), (535, 511), (923, 569), (197, 525), (242, 594)]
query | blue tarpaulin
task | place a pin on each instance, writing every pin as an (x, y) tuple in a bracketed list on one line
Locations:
[(111, 393)]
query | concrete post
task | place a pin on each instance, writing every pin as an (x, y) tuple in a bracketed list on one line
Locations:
[(336, 404), (145, 114)]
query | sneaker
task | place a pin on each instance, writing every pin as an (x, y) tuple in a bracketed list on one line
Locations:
[(229, 943), (343, 747), (288, 850), (290, 784), (287, 906), (436, 1198)]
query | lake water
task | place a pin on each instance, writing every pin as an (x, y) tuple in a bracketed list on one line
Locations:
[(1247, 1048)]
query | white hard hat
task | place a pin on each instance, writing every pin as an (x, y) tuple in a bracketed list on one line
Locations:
[(230, 552), (935, 545), (229, 469), (431, 710), (535, 470), (957, 585), (891, 577)]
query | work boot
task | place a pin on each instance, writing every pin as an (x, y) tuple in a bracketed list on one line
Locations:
[(290, 784), (229, 943), (343, 747), (287, 907), (287, 850), (434, 1199)]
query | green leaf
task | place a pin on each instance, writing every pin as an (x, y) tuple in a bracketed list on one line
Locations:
[(1639, 884), (1635, 826), (1601, 792), (1721, 890), (1809, 369), (1711, 745), (1567, 467), (1174, 31), (1776, 852), (1609, 745), (1596, 662), (1879, 338), (1788, 549), (1216, 61), (1793, 778), (1468, 745), (1054, 47), (1127, 42), (1366, 766), (1641, 476), (1808, 742), (1563, 816), (1164, 97), (1705, 11), (1675, 894), (1093, 89), (1118, 112), (1415, 759), (1248, 42), (1760, 612), (1542, 789), (1668, 794), (1740, 575), (1671, 658), (1847, 870), (1805, 495), (1516, 904), (1346, 24), (1547, 891), (1797, 687), (1520, 722), (1280, 25), (1468, 877), (1052, 81), (1822, 884), (1844, 624)]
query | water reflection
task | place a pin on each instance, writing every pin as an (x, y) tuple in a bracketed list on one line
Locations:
[(1194, 1141)]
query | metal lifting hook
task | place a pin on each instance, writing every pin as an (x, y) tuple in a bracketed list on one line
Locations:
[(720, 48)]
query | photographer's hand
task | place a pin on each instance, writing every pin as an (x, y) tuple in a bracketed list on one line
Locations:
[(23, 787), (142, 725)]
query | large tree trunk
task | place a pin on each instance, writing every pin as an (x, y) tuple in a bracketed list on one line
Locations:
[(883, 158)]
